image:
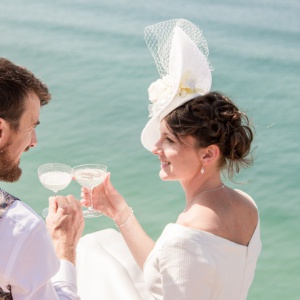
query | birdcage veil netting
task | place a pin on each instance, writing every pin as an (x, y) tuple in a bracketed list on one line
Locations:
[(159, 37)]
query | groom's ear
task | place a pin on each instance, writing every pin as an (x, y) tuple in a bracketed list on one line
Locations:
[(4, 132)]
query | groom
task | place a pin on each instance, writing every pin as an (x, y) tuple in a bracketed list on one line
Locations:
[(36, 262)]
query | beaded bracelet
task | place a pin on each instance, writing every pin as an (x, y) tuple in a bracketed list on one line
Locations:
[(125, 222)]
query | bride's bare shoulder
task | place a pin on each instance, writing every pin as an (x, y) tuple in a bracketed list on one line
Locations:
[(233, 216)]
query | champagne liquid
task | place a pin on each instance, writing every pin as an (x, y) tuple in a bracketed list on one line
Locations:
[(89, 177), (55, 180)]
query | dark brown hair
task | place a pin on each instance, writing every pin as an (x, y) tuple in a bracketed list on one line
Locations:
[(15, 84), (213, 119)]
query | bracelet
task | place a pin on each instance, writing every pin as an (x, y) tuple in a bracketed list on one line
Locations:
[(125, 222)]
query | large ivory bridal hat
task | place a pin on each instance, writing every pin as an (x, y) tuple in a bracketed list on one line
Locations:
[(180, 53)]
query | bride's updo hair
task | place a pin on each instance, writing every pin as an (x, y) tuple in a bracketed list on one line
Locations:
[(213, 119)]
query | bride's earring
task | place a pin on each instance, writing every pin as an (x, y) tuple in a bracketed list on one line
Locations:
[(202, 170)]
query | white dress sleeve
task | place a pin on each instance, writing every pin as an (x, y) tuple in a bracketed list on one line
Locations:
[(184, 273), (33, 262)]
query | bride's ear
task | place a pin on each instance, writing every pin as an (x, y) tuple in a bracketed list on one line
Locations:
[(210, 154)]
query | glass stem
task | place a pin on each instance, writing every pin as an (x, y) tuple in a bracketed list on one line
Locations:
[(91, 207)]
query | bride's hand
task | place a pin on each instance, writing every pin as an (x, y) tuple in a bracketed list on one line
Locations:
[(106, 199)]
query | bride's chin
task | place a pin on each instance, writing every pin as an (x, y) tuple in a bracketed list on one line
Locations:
[(163, 175)]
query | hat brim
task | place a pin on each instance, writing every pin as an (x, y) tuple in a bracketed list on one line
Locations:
[(151, 132)]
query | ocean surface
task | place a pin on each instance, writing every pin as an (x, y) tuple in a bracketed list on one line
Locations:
[(93, 57)]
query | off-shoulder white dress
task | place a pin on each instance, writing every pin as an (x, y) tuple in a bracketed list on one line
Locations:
[(185, 263)]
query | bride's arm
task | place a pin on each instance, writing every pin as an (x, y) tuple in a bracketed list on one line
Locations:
[(112, 204)]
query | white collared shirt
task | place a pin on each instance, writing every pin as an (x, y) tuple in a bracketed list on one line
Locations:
[(28, 263)]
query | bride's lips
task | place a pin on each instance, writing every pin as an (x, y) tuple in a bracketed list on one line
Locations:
[(164, 164)]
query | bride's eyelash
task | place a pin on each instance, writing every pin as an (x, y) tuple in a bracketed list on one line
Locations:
[(169, 140)]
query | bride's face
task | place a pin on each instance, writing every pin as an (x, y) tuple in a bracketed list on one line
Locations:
[(179, 160)]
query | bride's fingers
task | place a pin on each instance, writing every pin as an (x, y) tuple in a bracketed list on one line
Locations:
[(107, 177), (108, 185), (84, 202), (84, 192)]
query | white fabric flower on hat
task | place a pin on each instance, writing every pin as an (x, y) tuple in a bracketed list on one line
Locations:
[(161, 90), (159, 93)]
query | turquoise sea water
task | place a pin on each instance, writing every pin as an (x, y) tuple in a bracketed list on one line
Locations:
[(93, 57)]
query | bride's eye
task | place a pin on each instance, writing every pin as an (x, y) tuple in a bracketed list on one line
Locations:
[(169, 140)]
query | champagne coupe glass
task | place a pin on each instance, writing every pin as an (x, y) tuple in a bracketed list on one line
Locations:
[(54, 177), (89, 176)]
